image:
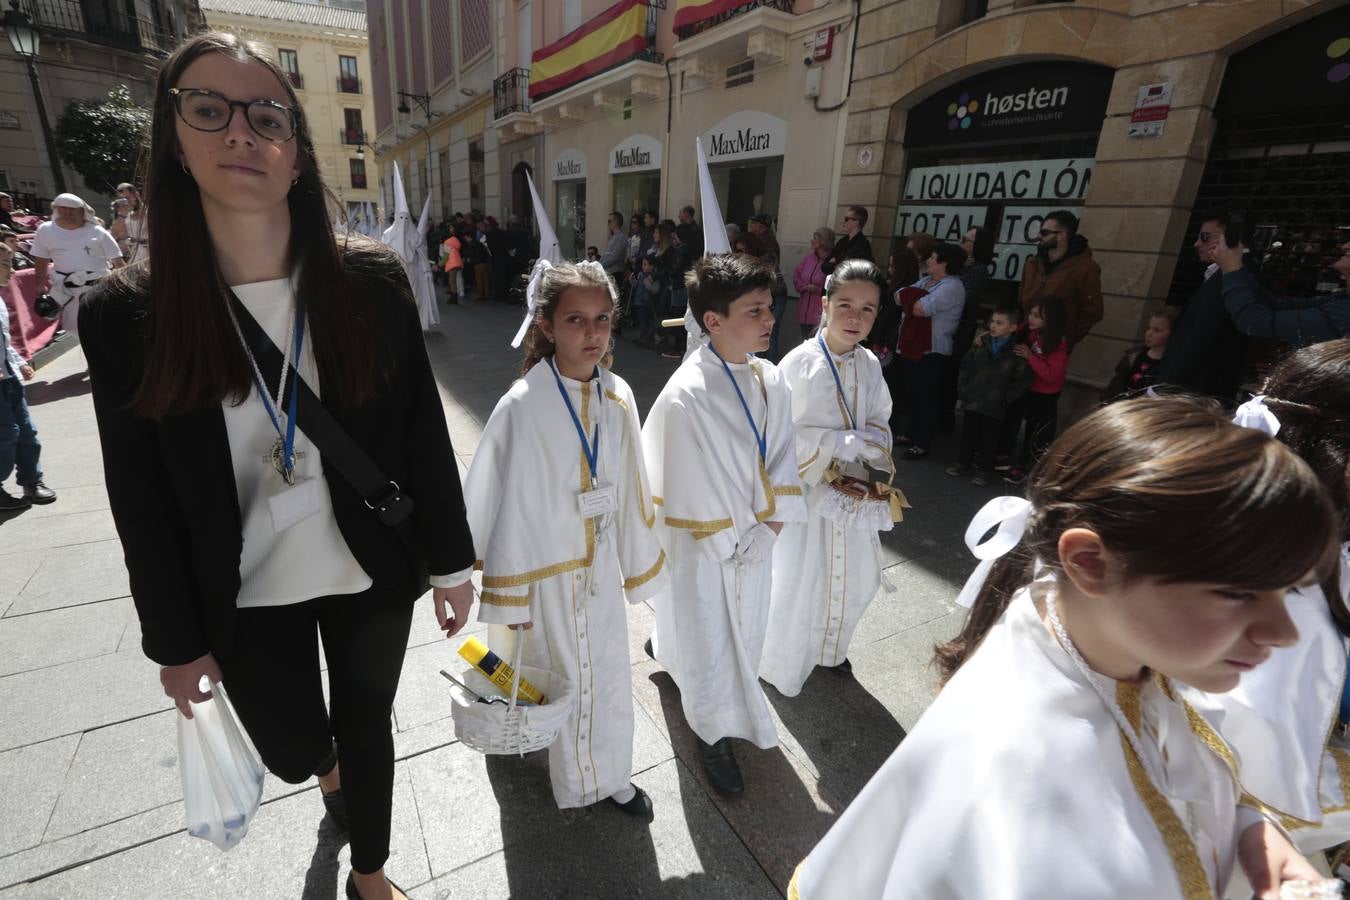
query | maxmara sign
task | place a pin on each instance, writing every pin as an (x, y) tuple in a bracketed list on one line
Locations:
[(569, 165), (750, 134), (638, 153)]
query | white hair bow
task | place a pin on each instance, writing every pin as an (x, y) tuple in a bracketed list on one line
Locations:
[(1255, 414), (590, 265), (1010, 514), (531, 298)]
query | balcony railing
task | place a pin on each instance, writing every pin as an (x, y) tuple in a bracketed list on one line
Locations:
[(348, 84), (647, 53), (358, 182), (511, 92), (353, 136), (99, 22), (297, 80), (688, 31)]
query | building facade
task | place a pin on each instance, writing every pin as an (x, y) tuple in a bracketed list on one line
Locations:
[(1133, 113), (324, 52), (432, 69), (85, 48), (605, 100)]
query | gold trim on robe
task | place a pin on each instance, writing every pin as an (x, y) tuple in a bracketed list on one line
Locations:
[(638, 581)]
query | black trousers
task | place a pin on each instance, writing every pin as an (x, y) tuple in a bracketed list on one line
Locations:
[(922, 381), (273, 678), (979, 440), (1041, 414)]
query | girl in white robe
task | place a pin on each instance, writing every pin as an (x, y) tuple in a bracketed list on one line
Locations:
[(547, 566), (1059, 759), (1287, 720), (827, 571)]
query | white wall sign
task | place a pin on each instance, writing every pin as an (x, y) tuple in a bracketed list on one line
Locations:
[(8, 119), (1043, 179), (638, 153), (749, 134), (1151, 106), (569, 164)]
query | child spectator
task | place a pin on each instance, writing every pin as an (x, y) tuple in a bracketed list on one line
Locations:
[(1138, 366), (1047, 352), (993, 376), (592, 254), (646, 293)]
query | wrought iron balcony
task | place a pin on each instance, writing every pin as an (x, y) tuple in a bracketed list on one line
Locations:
[(297, 80), (354, 136), (688, 31), (348, 84), (511, 93), (98, 22)]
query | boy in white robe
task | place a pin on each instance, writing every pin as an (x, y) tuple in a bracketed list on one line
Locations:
[(548, 567), (1059, 759), (720, 449), (827, 570)]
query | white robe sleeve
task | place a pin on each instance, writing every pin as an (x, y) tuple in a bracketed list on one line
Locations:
[(641, 559), (484, 497), (781, 460), (685, 500)]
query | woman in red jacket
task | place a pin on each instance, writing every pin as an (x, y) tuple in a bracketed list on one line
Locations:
[(1045, 349)]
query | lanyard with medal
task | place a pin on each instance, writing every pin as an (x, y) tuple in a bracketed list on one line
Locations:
[(761, 439), (599, 502), (838, 382)]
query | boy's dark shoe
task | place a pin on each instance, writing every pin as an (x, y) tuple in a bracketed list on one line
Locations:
[(720, 765), (38, 493), (10, 503)]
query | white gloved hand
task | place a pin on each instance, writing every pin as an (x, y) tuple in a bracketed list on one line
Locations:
[(756, 545), (848, 445), (874, 454)]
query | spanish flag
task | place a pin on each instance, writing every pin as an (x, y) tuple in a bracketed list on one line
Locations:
[(691, 12), (609, 39)]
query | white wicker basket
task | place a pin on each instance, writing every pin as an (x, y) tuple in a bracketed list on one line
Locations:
[(506, 728)]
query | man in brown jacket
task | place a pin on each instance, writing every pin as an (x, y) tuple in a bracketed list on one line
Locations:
[(1063, 267)]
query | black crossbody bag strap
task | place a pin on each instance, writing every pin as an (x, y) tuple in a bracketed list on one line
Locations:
[(380, 494)]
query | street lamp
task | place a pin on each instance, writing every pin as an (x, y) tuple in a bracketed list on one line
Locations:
[(26, 39)]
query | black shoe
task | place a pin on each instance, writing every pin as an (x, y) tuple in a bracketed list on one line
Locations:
[(913, 453), (720, 765), (38, 493), (639, 804), (354, 894), (10, 503), (844, 668), (336, 805), (647, 649)]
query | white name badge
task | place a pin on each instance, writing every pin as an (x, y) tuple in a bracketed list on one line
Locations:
[(597, 502), (295, 504)]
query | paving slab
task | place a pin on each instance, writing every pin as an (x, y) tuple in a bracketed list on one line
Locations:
[(898, 672), (18, 569), (42, 639), (78, 696), (72, 575), (77, 499), (33, 777)]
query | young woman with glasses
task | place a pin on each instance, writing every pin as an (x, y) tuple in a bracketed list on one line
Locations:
[(245, 544)]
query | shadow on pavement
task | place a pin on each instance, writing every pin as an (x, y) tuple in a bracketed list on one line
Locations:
[(73, 385), (321, 880)]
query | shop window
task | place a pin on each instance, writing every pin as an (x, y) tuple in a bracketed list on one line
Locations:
[(741, 73), (357, 168)]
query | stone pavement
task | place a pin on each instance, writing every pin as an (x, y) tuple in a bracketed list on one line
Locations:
[(90, 801)]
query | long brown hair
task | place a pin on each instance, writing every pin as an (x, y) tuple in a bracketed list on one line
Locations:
[(1309, 392), (191, 358), (1056, 318), (1177, 493), (554, 283)]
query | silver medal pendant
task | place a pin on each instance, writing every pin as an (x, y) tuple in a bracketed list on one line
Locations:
[(277, 457)]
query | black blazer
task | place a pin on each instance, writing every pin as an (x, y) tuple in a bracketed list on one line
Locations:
[(1206, 352), (171, 483), (856, 247)]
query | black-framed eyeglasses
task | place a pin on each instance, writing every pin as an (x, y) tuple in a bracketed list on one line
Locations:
[(208, 111), (1205, 237), (1046, 232)]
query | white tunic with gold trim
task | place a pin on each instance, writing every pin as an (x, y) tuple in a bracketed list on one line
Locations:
[(1017, 783), (538, 554), (711, 488), (824, 574), (1280, 719)]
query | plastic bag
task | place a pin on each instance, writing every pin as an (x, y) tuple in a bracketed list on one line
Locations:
[(222, 773)]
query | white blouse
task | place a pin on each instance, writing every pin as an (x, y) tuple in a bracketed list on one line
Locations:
[(310, 558)]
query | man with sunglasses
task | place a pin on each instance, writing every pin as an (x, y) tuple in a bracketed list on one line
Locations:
[(1063, 267), (854, 244), (1205, 352)]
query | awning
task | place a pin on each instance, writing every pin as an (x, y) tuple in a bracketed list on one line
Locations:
[(611, 38)]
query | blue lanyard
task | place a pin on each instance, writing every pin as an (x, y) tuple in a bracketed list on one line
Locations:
[(592, 451), (1345, 696), (838, 382), (288, 445), (761, 440)]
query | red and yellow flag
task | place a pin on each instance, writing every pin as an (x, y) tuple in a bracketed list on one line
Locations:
[(610, 38), (691, 12)]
